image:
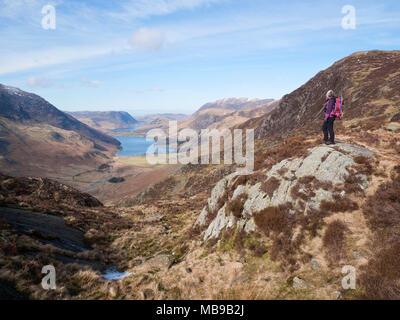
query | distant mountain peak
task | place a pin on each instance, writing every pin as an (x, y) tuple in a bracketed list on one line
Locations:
[(12, 90), (235, 103), (105, 120)]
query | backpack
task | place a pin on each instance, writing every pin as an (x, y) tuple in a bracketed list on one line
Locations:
[(338, 110)]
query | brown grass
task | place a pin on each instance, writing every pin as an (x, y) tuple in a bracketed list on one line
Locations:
[(304, 188), (270, 186), (272, 219), (278, 224), (236, 206), (382, 209), (325, 185), (381, 276), (339, 204), (246, 292), (352, 185), (240, 180), (334, 241), (291, 147), (312, 222)]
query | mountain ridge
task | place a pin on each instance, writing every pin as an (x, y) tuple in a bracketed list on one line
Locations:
[(38, 139), (234, 103), (369, 81), (20, 106), (105, 120)]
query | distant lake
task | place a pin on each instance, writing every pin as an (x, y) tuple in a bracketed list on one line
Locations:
[(135, 146)]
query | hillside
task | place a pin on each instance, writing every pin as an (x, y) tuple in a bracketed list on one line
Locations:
[(234, 104), (38, 139), (165, 116), (227, 113), (368, 81), (158, 121), (105, 121), (244, 238), (238, 117), (224, 113)]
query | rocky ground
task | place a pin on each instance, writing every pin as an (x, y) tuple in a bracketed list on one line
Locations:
[(284, 232)]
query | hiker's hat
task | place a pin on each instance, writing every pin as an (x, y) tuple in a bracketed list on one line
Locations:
[(330, 93)]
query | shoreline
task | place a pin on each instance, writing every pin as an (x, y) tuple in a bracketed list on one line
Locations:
[(126, 134)]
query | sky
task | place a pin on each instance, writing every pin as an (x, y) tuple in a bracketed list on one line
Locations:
[(156, 56)]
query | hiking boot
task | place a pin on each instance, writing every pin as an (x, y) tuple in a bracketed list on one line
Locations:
[(327, 143), (332, 142)]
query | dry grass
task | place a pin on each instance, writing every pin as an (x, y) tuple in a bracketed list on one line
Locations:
[(278, 225), (270, 185), (381, 276), (339, 204), (352, 185), (138, 161), (272, 219), (334, 241), (247, 292), (291, 147), (236, 206), (382, 209), (303, 192)]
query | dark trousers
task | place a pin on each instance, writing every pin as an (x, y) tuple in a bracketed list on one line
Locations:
[(328, 128)]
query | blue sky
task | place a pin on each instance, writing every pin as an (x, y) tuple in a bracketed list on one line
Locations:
[(147, 56)]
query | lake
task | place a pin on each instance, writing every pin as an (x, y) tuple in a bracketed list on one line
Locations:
[(135, 146)]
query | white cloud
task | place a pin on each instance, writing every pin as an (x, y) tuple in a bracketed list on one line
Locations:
[(54, 56), (25, 11), (198, 36), (147, 8), (148, 39), (91, 83), (156, 89), (39, 82)]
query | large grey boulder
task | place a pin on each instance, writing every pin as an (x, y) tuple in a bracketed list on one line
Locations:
[(324, 163)]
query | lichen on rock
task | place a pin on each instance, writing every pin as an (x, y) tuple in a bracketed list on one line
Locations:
[(299, 182)]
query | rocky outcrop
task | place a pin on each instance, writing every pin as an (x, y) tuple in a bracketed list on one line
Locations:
[(303, 182), (42, 191)]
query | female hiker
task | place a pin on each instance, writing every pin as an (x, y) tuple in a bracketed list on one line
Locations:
[(329, 118)]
